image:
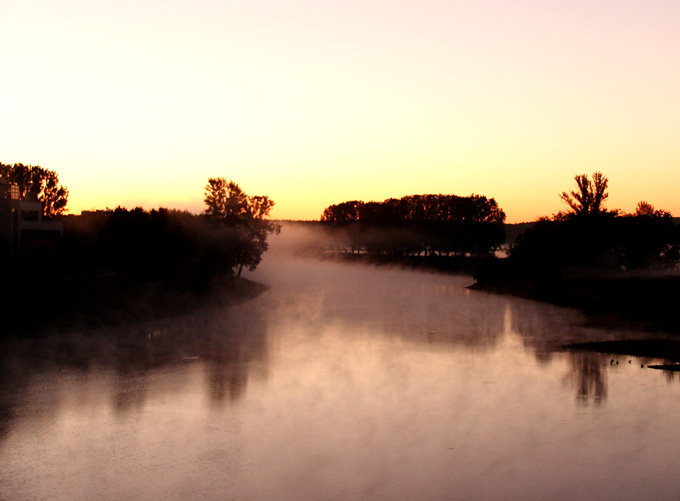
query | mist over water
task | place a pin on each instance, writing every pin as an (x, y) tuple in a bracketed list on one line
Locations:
[(341, 381)]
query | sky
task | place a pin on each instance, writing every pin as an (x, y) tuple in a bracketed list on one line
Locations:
[(316, 102)]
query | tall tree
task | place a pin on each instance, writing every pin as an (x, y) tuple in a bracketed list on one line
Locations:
[(229, 206), (43, 183), (589, 196), (226, 201)]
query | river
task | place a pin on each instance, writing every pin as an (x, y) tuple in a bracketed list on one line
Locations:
[(339, 382)]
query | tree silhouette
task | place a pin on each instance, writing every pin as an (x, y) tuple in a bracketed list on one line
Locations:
[(226, 201), (229, 206), (645, 209), (345, 212), (612, 241), (437, 225), (647, 238), (589, 196), (44, 183)]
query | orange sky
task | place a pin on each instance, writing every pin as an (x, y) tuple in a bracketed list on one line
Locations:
[(315, 102)]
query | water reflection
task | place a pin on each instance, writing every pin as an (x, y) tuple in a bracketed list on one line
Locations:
[(588, 376), (339, 382), (671, 376), (122, 361)]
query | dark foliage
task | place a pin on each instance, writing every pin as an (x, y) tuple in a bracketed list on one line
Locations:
[(172, 246), (429, 225), (606, 263), (586, 241), (123, 265), (589, 197), (243, 217), (605, 242), (43, 183)]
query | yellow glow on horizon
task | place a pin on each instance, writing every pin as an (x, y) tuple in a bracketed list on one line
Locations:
[(317, 103)]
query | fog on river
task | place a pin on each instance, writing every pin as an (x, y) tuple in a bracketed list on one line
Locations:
[(342, 381)]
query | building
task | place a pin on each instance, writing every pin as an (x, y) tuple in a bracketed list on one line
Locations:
[(22, 229)]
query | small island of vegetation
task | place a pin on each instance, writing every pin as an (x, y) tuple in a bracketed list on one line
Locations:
[(445, 232)]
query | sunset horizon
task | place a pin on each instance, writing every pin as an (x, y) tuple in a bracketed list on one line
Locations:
[(313, 104), (339, 249)]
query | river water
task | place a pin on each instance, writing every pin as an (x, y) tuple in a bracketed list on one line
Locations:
[(339, 382)]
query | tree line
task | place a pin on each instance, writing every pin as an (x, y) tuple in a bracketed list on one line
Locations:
[(590, 236), (586, 241), (419, 225), (112, 266), (230, 235), (191, 249)]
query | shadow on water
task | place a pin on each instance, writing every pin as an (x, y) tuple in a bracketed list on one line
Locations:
[(223, 341)]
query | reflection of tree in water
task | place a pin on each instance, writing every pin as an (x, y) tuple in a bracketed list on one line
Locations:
[(544, 329), (587, 375), (671, 376), (21, 360), (226, 380), (224, 340), (227, 363), (130, 388)]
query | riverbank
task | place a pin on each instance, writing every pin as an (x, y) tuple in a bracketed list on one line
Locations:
[(637, 301), (42, 306)]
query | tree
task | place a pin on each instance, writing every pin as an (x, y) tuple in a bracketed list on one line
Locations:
[(434, 224), (230, 207), (590, 195), (346, 212), (645, 209), (44, 183), (226, 201), (647, 238)]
